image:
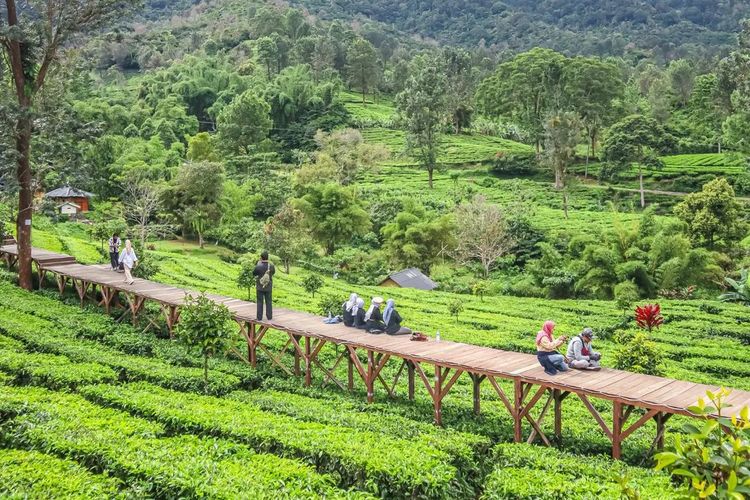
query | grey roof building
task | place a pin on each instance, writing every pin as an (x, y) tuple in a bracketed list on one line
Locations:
[(68, 192), (410, 278)]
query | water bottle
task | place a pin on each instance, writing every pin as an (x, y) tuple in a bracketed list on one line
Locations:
[(437, 336)]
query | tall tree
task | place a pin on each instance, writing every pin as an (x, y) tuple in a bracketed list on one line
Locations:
[(591, 85), (333, 214), (142, 201), (422, 108), (524, 90), (362, 66), (713, 214), (635, 140), (416, 238), (460, 83), (482, 233), (681, 75), (286, 235), (32, 43), (244, 123), (561, 135)]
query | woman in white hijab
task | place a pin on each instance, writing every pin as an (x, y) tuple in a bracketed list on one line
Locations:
[(358, 313), (348, 309), (392, 320), (129, 260), (374, 318)]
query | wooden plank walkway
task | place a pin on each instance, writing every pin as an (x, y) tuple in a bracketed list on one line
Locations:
[(644, 397)]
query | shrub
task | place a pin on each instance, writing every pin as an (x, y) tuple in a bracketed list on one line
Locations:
[(330, 304), (640, 355), (455, 307), (136, 450), (649, 316), (312, 283), (148, 266), (625, 294), (515, 163), (30, 474), (204, 326), (372, 461), (713, 459), (55, 372), (530, 472)]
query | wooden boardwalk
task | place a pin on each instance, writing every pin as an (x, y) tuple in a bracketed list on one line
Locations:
[(642, 397)]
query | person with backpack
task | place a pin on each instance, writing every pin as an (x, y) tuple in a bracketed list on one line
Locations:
[(348, 308), (392, 320), (263, 273), (580, 353), (114, 251), (374, 318)]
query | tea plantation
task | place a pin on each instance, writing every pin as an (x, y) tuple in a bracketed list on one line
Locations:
[(145, 424)]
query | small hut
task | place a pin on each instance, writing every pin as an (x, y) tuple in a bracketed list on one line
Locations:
[(70, 201), (409, 278)]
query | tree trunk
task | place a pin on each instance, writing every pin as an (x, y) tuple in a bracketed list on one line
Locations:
[(23, 221), (558, 179), (593, 143), (586, 169), (565, 203), (286, 266), (200, 239), (640, 181), (429, 175), (719, 143), (205, 370)]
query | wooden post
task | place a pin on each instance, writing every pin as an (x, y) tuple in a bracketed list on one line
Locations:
[(477, 382), (251, 349), (437, 397), (369, 380), (410, 376), (617, 430), (350, 372), (297, 370), (557, 395), (518, 400), (308, 363), (660, 421)]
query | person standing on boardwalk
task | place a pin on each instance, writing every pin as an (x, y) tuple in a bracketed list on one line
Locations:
[(263, 273), (129, 261), (114, 251)]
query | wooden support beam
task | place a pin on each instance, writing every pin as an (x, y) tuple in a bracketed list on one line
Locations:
[(617, 430), (297, 370), (329, 374), (277, 360), (61, 282), (639, 423), (476, 381), (518, 404), (357, 363), (537, 424), (410, 376), (437, 397), (350, 372), (308, 363), (369, 381), (501, 394), (596, 415), (392, 390), (559, 397)]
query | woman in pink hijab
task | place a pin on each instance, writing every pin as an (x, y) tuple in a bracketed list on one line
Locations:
[(546, 350)]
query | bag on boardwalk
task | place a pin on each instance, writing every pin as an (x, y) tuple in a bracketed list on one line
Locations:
[(418, 337), (266, 278)]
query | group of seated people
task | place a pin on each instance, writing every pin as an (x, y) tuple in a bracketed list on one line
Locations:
[(373, 320), (580, 353)]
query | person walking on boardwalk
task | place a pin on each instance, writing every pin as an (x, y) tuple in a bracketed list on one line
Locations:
[(392, 320), (129, 261), (546, 350), (263, 273), (114, 251), (349, 308), (580, 353)]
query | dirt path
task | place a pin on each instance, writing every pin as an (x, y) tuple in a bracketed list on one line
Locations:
[(648, 191)]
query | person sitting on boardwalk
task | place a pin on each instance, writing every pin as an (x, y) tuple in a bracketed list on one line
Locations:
[(546, 350), (129, 261), (392, 320), (348, 309), (374, 318), (580, 353), (114, 251), (263, 273), (358, 313)]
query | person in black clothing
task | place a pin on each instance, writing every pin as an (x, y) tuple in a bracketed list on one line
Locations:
[(348, 309), (263, 273), (374, 318), (392, 320), (114, 251), (359, 314)]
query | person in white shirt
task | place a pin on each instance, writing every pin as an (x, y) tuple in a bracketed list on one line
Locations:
[(129, 261)]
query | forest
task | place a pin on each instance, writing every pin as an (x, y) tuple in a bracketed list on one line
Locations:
[(537, 160)]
